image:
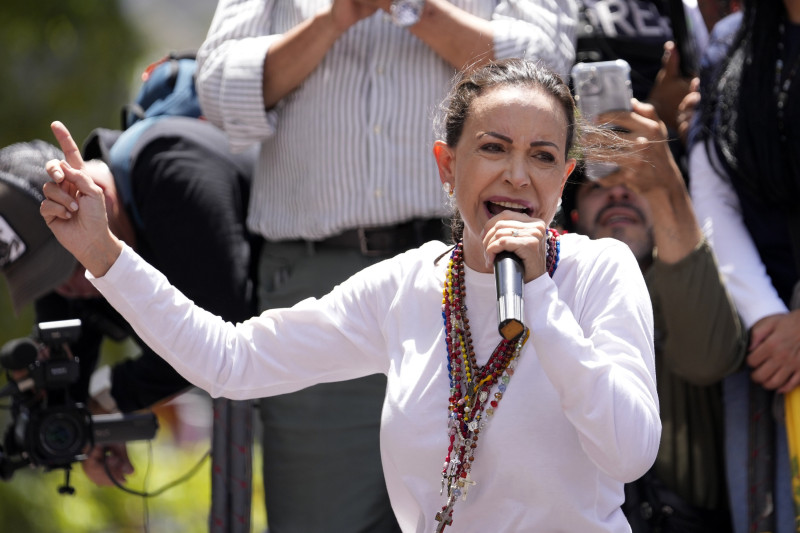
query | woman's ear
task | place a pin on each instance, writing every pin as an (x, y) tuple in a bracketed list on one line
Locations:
[(444, 161), (569, 167)]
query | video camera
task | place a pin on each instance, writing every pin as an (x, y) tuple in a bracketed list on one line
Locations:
[(48, 428)]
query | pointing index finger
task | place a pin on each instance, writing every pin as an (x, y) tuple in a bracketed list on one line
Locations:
[(72, 153)]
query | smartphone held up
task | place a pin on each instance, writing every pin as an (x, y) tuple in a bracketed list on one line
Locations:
[(601, 87)]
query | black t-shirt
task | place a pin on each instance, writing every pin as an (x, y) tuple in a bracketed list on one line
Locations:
[(633, 30), (191, 193)]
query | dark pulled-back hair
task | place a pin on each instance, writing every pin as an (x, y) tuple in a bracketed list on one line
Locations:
[(470, 84), (739, 111)]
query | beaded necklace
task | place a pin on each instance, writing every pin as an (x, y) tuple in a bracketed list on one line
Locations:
[(471, 385), (782, 85)]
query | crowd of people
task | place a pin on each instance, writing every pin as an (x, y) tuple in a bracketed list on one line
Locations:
[(318, 243)]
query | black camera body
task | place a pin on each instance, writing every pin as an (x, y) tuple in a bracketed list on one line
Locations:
[(48, 427)]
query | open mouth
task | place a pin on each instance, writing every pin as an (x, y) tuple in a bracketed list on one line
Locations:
[(619, 215), (495, 208)]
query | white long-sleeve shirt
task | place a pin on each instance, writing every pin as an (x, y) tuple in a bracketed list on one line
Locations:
[(351, 146), (720, 216), (579, 417)]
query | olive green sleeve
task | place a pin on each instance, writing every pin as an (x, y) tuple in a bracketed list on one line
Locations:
[(702, 338)]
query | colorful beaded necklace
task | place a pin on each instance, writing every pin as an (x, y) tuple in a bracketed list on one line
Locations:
[(471, 385)]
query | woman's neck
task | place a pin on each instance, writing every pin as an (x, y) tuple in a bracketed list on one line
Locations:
[(474, 255)]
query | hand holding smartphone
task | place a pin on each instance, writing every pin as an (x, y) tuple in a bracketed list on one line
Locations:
[(600, 87)]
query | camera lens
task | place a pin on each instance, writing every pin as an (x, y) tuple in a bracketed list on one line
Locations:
[(62, 435)]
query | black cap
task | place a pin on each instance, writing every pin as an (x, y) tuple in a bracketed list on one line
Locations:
[(33, 262)]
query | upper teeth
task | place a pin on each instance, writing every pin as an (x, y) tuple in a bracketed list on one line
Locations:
[(615, 218), (510, 205)]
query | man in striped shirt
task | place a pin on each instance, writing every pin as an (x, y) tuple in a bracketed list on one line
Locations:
[(339, 96)]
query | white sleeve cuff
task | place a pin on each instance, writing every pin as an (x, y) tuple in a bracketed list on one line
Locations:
[(100, 389)]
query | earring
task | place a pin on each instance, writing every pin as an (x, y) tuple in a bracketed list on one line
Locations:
[(447, 190)]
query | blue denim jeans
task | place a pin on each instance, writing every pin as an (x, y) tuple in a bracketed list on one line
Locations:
[(736, 398)]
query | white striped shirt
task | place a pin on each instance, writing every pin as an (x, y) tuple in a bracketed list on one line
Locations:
[(352, 145)]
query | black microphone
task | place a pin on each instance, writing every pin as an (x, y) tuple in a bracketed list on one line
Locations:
[(508, 275), (17, 354)]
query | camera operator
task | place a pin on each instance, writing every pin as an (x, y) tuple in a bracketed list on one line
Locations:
[(186, 214)]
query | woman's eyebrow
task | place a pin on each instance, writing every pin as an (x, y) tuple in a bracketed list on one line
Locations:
[(510, 141), (498, 135)]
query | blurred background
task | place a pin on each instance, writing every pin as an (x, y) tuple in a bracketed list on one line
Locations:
[(80, 61)]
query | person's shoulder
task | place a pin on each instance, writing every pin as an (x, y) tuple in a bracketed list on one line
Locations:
[(726, 26), (412, 270), (721, 39), (428, 252), (419, 262), (577, 243), (435, 247), (579, 249), (196, 131), (187, 141)]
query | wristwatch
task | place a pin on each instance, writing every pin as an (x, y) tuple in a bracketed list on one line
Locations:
[(406, 13)]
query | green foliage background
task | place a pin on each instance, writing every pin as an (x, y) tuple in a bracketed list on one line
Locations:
[(63, 59), (78, 61)]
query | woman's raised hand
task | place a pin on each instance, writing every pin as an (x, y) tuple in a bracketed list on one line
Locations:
[(75, 208)]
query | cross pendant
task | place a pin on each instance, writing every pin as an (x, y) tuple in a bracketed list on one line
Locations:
[(445, 516), (444, 520), (465, 485)]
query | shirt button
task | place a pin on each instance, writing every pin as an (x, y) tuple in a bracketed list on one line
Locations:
[(378, 193), (377, 130)]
